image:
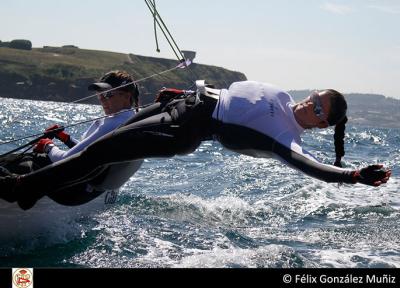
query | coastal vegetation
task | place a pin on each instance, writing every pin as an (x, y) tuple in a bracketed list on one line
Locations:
[(63, 73)]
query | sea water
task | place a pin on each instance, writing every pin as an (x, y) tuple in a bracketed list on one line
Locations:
[(216, 208)]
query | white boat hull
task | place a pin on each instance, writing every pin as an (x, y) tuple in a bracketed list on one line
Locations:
[(46, 217)]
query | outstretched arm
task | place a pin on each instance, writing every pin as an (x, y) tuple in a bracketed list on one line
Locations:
[(373, 175), (253, 143)]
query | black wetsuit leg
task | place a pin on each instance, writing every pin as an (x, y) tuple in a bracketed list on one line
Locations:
[(17, 164), (179, 128), (151, 110)]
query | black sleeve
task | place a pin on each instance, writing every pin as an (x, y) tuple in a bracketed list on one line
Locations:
[(253, 143), (311, 167), (71, 142)]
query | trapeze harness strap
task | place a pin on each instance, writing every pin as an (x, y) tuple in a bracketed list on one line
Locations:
[(257, 120), (195, 107)]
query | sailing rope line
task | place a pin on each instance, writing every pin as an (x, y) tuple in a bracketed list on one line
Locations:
[(180, 65), (164, 29), (183, 63), (155, 28)]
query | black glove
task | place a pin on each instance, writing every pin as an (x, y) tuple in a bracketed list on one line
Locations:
[(56, 131), (373, 175)]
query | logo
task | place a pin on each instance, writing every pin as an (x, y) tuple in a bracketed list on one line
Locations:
[(111, 197), (271, 104), (22, 277)]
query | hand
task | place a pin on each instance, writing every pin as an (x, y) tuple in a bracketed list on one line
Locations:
[(373, 175), (166, 94), (58, 132), (43, 146)]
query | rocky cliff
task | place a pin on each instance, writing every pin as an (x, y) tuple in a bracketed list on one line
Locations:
[(63, 73)]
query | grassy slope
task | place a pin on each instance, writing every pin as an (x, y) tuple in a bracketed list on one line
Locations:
[(56, 62), (49, 73), (73, 63)]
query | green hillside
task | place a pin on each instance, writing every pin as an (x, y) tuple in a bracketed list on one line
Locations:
[(63, 73)]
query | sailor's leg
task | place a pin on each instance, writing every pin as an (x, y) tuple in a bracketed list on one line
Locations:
[(147, 112), (178, 129), (155, 136)]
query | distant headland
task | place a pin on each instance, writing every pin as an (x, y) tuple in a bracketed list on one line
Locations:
[(63, 74)]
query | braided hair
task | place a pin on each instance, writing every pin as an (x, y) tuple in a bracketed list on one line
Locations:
[(337, 116)]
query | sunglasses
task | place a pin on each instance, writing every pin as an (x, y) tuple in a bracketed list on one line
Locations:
[(318, 111), (108, 94)]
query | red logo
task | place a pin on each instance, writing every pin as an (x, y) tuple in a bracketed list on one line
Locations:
[(22, 278)]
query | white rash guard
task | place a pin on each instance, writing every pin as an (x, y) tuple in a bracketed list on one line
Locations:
[(98, 129), (266, 109)]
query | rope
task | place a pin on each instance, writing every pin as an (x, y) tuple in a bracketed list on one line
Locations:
[(155, 28), (127, 84), (75, 124), (95, 95), (183, 64), (162, 26), (158, 19)]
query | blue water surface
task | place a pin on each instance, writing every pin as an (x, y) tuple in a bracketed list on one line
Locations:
[(216, 208)]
